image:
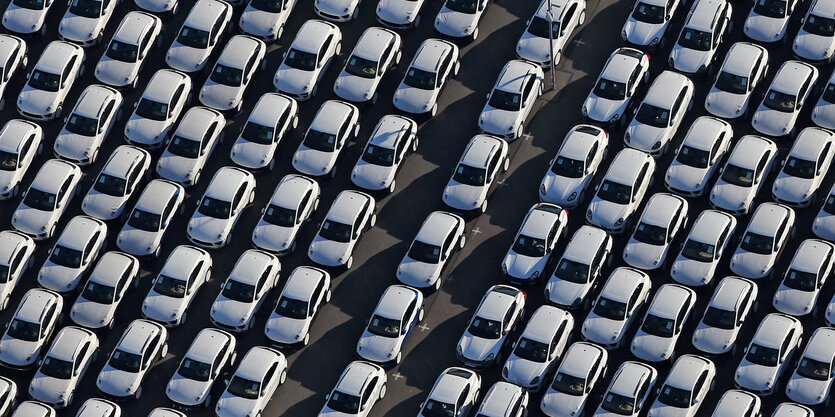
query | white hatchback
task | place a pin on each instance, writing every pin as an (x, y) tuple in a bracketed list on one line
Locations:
[(620, 193), (663, 323), (335, 124), (191, 145), (393, 139), (306, 291), (20, 142), (316, 45), (229, 193), (765, 237), (510, 102), (573, 168), (580, 268), (96, 306), (751, 160), (769, 354), (664, 217), (206, 22), (806, 275), (668, 100), (52, 78), (377, 52), (615, 308), (697, 159), (165, 96), (790, 88), (540, 346), (119, 178), (148, 222), (85, 129), (477, 170), (48, 196), (272, 118), (583, 366), (76, 250), (136, 36), (350, 215), (241, 57), (732, 302), (293, 202), (702, 250), (173, 290), (744, 68), (440, 235), (246, 288), (804, 168)]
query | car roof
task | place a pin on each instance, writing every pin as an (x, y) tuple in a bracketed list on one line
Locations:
[(290, 191), (703, 14), (93, 100), (250, 266), (390, 129), (122, 160), (372, 43), (661, 208), (312, 35), (225, 183), (255, 363), (620, 65), (579, 358), (479, 150), (301, 282), (34, 304), (394, 301), (7, 44), (181, 261), (792, 410), (585, 238), (791, 76), (709, 225), (539, 220), (110, 267), (810, 255), (557, 7), (494, 304), (704, 132), (627, 165), (97, 407), (347, 206), (543, 324), (166, 412), (196, 122), (664, 89), (331, 115), (67, 342), (622, 281), (137, 335), (354, 376), (13, 134), (204, 13), (668, 300), (52, 175), (732, 401), (772, 330), (156, 194), (269, 109), (56, 55), (686, 370), (741, 58), (767, 218), (821, 346), (33, 409), (809, 143), (578, 141), (729, 292), (514, 74), (238, 50), (449, 385), (748, 151), (436, 226), (499, 399), (163, 84), (628, 378), (207, 345), (430, 53), (823, 8), (9, 242), (78, 232), (133, 26)]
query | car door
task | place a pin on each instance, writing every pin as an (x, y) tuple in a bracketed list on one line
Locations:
[(567, 24), (449, 242), (444, 70), (369, 396), (461, 403), (324, 54), (191, 285), (68, 75), (268, 384), (150, 352), (493, 167), (316, 298)]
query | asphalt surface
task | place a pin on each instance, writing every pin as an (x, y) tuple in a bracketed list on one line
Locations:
[(314, 370)]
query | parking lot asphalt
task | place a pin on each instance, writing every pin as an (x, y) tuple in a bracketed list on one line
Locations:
[(314, 370)]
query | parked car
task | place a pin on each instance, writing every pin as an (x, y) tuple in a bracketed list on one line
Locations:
[(377, 52), (807, 273), (579, 270), (744, 68), (573, 168), (253, 384), (615, 308), (291, 206), (582, 368), (529, 257), (397, 313), (63, 367), (763, 242), (498, 314), (733, 300), (141, 346), (455, 390), (769, 354), (350, 215), (698, 157), (307, 289), (441, 234), (210, 352), (104, 290), (200, 33), (434, 63), (539, 348), (249, 283)]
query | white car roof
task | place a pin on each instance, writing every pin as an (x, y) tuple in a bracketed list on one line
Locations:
[(772, 330), (544, 323), (269, 109), (14, 132), (686, 370), (435, 228), (741, 57), (204, 13), (372, 43), (732, 401), (767, 218), (93, 99), (539, 220), (704, 132), (792, 410), (197, 121), (823, 8), (621, 64), (729, 293), (110, 267), (578, 141), (810, 255), (301, 282), (78, 232), (709, 225), (557, 8), (8, 43), (629, 377), (621, 282), (347, 206), (156, 194), (122, 160), (703, 14), (791, 76), (430, 53), (495, 303), (68, 341), (390, 129), (579, 358), (312, 35), (354, 376), (581, 243), (97, 407), (626, 166), (181, 261), (163, 84), (810, 142), (661, 208), (250, 266), (748, 151), (9, 242), (668, 300), (664, 89), (207, 344), (479, 150), (449, 385), (56, 55), (394, 301), (137, 335), (821, 346), (238, 50), (499, 399), (52, 175), (34, 304), (33, 409), (290, 191), (165, 412), (514, 75), (133, 26), (331, 115), (255, 363), (225, 183)]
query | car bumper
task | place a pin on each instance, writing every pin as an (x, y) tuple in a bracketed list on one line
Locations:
[(392, 25), (333, 17)]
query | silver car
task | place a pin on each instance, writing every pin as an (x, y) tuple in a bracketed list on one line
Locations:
[(806, 275), (350, 215), (440, 235), (699, 40), (118, 180), (242, 56), (397, 313), (142, 345), (266, 20), (435, 62), (291, 206), (702, 250), (85, 20), (253, 384), (175, 287), (336, 123), (74, 253), (648, 22), (697, 159), (536, 44), (148, 222), (530, 254), (663, 323), (229, 193), (478, 169), (504, 400), (306, 291), (732, 302), (455, 390), (200, 34), (376, 53), (191, 145), (47, 198), (579, 269), (104, 290), (63, 366), (510, 102), (498, 314), (85, 129), (26, 17), (249, 283), (766, 235), (687, 386), (628, 391), (460, 18), (30, 328), (583, 366), (621, 191), (811, 381), (272, 118), (361, 385), (815, 40), (668, 100), (13, 54), (47, 86), (624, 74), (210, 352), (305, 62), (804, 168), (574, 166), (21, 141), (540, 346), (622, 297), (768, 354), (790, 88), (134, 39), (744, 68), (165, 96), (664, 217), (16, 250), (752, 159), (393, 139)]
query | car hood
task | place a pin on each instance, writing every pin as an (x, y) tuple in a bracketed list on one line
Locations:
[(21, 20), (414, 100), (232, 406), (117, 383), (293, 80), (499, 122), (599, 329), (812, 47), (29, 220), (533, 48), (824, 226), (251, 154), (689, 60), (725, 104), (101, 205), (823, 114), (113, 72), (794, 302), (763, 28), (48, 389), (561, 405), (729, 196), (206, 228), (156, 6), (32, 100), (333, 7), (272, 237), (476, 348), (754, 377), (398, 11), (564, 292), (175, 168), (257, 21), (662, 410), (313, 162), (751, 265), (642, 136), (328, 252), (521, 371), (690, 272), (159, 307), (137, 242), (372, 177), (146, 131), (73, 145), (230, 312), (789, 188), (218, 96), (521, 266), (713, 339), (416, 274), (607, 213), (18, 352), (58, 278), (463, 196), (285, 330), (354, 88), (186, 58), (650, 347), (602, 109), (772, 122), (90, 314), (378, 348), (806, 390), (452, 23), (560, 188), (642, 255), (640, 33), (79, 28), (685, 177), (184, 391)]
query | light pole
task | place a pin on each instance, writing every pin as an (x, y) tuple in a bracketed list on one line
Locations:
[(551, 46)]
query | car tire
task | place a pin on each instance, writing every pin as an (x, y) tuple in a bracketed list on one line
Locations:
[(293, 247), (16, 190), (483, 206), (382, 392), (271, 165), (437, 285), (373, 98), (338, 48), (557, 58), (51, 232), (398, 358), (350, 262), (519, 132), (282, 377), (474, 35), (416, 22), (208, 401), (462, 241), (356, 13), (252, 197), (183, 318), (306, 339), (582, 18), (138, 394), (456, 68), (58, 112), (506, 164), (391, 186), (333, 172), (228, 240), (421, 314), (415, 142), (357, 129), (5, 303), (434, 110), (328, 296), (111, 324), (173, 10), (163, 351), (373, 220)]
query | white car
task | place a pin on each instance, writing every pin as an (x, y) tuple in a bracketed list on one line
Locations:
[(769, 354), (63, 366), (361, 385), (147, 223), (272, 118), (530, 254), (789, 409), (663, 323), (573, 168), (511, 100), (744, 67), (95, 407), (14, 58), (790, 88), (664, 217), (536, 43), (615, 308), (291, 206), (229, 193), (89, 123), (118, 180), (709, 236), (30, 328), (242, 56), (668, 100), (752, 159), (804, 168), (824, 224), (504, 400), (397, 313), (306, 291), (815, 41), (698, 158), (142, 344), (20, 142), (624, 74), (377, 52), (8, 396), (807, 273), (164, 98), (768, 20), (399, 14), (455, 390), (104, 290), (539, 348), (85, 20), (16, 251), (26, 16), (733, 401), (34, 409), (435, 62), (350, 215), (469, 187), (316, 45), (620, 193), (335, 124), (47, 198), (583, 366), (249, 283), (733, 300), (158, 6), (700, 37), (210, 352), (765, 237), (498, 313), (173, 290), (579, 269), (135, 37), (460, 18), (266, 19), (47, 86), (191, 145), (253, 384), (206, 22), (648, 22), (393, 139), (823, 114), (628, 391), (688, 384), (440, 235), (337, 10), (76, 250), (811, 381)]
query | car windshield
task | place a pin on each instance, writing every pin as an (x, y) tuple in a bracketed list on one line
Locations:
[(121, 51), (382, 326), (213, 207), (698, 251), (186, 148), (171, 287), (361, 67), (829, 93), (569, 384), (618, 404), (813, 369), (800, 168), (300, 60), (193, 38), (344, 403), (651, 235), (567, 167), (424, 252), (736, 84), (280, 216), (781, 102), (109, 185), (658, 326), (649, 13), (606, 308), (468, 175), (801, 281), (152, 110), (529, 246), (195, 370), (64, 256), (485, 329), (761, 355), (56, 368), (434, 408), (338, 232), (693, 157), (614, 192), (421, 79), (320, 141), (531, 350), (757, 243), (86, 8), (239, 291), (227, 75), (81, 125), (770, 8), (291, 308), (144, 220), (244, 388), (652, 115), (269, 6), (39, 200), (462, 6), (734, 175), (24, 330), (255, 133), (98, 293), (8, 161), (610, 90), (829, 206), (125, 361), (675, 397), (722, 319), (29, 4), (821, 26), (503, 100), (45, 81), (695, 39), (571, 271), (539, 28), (378, 155)]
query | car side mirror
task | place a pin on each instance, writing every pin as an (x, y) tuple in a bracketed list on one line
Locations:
[(420, 407), (28, 75), (234, 213), (135, 104), (327, 397), (527, 22), (23, 194), (488, 96)]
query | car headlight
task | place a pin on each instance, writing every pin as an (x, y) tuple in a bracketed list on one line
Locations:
[(585, 111), (572, 196), (654, 41), (656, 145), (535, 380), (542, 189), (671, 61), (614, 118), (491, 356), (619, 222)]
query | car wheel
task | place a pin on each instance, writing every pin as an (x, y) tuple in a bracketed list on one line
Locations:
[(295, 122), (557, 58), (58, 112), (208, 401), (238, 107), (416, 23), (333, 172), (338, 48), (398, 358), (582, 18), (163, 351), (456, 68), (434, 110), (391, 186), (43, 29), (228, 240), (357, 129), (421, 314), (135, 82), (474, 35), (306, 339), (415, 144), (184, 317), (506, 165), (350, 262), (437, 284), (519, 131), (382, 392), (315, 90), (356, 13), (374, 98), (70, 397), (51, 232), (328, 296), (138, 394), (252, 197), (94, 157), (293, 247), (483, 206), (208, 277), (282, 377), (173, 10), (462, 242), (372, 221)]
